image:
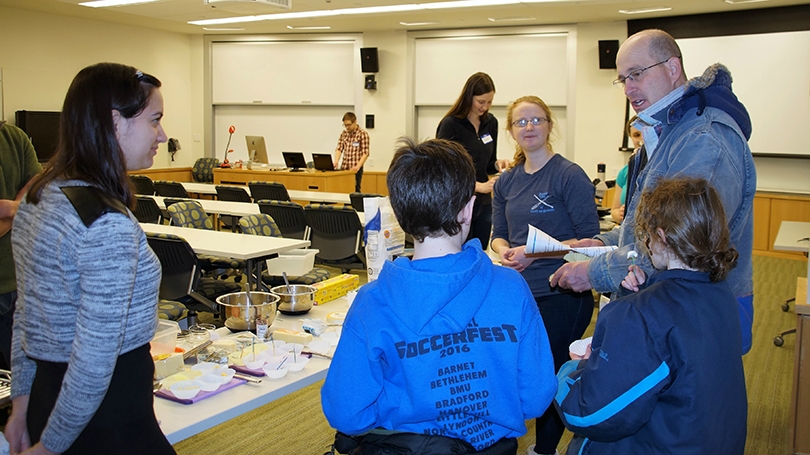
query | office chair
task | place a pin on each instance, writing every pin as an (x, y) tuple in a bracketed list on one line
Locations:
[(168, 188), (273, 191), (147, 210), (263, 224), (143, 185), (289, 216), (190, 214), (779, 340), (233, 194), (336, 232), (203, 170), (357, 200), (182, 279)]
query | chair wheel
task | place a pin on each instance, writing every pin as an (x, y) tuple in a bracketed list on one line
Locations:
[(778, 341), (785, 307)]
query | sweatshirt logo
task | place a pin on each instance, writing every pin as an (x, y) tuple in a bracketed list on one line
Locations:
[(457, 342), (542, 206)]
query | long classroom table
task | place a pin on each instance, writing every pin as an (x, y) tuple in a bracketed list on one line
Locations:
[(250, 248), (179, 421), (296, 195)]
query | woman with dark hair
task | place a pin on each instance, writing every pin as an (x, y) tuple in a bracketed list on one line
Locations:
[(87, 279), (554, 195), (470, 123)]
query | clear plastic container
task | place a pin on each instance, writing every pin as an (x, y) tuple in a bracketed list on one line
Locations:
[(165, 339)]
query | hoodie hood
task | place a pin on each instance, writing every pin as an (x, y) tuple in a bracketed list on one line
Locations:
[(712, 89), (445, 292)]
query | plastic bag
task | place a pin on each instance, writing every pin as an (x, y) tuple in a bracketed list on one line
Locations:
[(383, 237)]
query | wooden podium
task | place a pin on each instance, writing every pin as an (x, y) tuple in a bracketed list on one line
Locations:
[(309, 180)]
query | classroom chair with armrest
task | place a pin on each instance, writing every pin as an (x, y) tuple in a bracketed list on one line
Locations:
[(357, 200), (167, 188), (289, 216), (182, 278), (273, 191), (147, 210), (232, 194), (203, 170), (143, 185), (337, 234), (779, 340), (190, 214), (263, 224)]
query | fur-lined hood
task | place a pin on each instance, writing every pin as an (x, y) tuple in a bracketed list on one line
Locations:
[(711, 89)]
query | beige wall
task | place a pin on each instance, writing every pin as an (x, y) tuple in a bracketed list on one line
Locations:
[(599, 107), (388, 103), (42, 53)]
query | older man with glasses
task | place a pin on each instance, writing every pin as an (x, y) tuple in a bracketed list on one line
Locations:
[(693, 128)]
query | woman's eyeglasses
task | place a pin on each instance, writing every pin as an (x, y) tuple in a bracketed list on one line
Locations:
[(536, 121)]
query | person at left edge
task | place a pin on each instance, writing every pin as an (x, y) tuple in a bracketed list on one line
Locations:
[(353, 147), (470, 123), (18, 166), (87, 279)]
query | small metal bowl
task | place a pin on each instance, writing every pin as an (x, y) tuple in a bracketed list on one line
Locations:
[(298, 299), (239, 315)]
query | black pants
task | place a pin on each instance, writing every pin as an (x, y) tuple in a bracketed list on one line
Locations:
[(358, 179), (124, 423), (565, 316), (481, 226), (7, 306)]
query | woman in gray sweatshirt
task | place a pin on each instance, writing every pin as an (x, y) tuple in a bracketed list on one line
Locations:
[(87, 279)]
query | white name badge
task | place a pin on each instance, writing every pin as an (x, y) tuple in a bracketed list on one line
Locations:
[(357, 144), (486, 139)]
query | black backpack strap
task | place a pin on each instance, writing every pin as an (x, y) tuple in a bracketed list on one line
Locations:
[(91, 204)]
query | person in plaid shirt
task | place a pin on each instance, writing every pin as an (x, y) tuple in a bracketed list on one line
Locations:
[(353, 147)]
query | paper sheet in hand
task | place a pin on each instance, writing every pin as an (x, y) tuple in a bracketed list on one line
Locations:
[(540, 242)]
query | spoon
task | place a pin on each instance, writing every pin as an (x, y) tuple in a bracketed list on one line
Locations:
[(287, 282)]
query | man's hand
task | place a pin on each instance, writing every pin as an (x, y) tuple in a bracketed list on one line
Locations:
[(573, 275)]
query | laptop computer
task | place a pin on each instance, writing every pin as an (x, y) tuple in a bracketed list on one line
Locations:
[(323, 161)]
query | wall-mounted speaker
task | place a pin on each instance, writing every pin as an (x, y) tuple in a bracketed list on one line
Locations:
[(368, 60), (607, 54)]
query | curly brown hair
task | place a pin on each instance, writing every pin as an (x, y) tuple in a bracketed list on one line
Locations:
[(690, 213)]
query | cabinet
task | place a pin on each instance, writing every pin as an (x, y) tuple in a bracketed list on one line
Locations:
[(328, 182), (770, 209)]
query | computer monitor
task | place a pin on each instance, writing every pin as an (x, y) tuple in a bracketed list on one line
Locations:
[(323, 161), (257, 151), (294, 160)]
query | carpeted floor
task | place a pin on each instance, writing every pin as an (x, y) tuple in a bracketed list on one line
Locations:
[(295, 425)]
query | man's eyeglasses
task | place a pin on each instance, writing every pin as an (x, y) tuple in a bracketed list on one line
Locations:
[(536, 121), (635, 76)]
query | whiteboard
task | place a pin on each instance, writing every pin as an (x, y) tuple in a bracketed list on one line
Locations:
[(284, 72), (308, 129), (771, 74), (520, 64)]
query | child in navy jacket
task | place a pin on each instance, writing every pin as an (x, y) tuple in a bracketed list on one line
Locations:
[(664, 372)]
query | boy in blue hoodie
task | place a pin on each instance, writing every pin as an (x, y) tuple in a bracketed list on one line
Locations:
[(445, 352), (664, 374)]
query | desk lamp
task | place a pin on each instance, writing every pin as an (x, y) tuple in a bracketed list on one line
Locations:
[(225, 164)]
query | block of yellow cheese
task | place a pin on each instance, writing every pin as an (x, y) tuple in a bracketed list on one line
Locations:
[(291, 336)]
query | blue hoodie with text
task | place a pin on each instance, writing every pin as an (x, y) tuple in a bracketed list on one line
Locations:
[(451, 346)]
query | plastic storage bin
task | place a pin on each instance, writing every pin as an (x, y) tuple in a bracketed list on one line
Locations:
[(294, 262), (165, 339)]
